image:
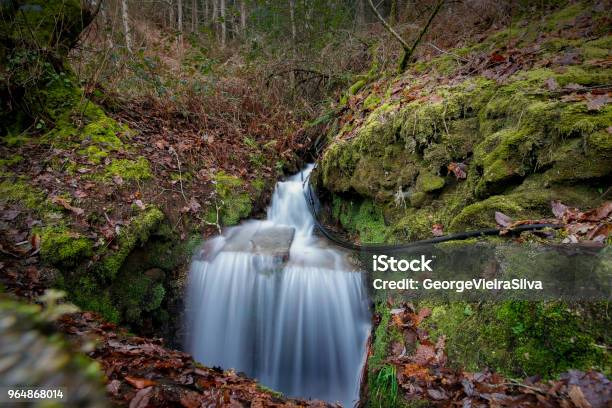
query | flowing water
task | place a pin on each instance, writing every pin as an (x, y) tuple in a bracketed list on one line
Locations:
[(299, 325)]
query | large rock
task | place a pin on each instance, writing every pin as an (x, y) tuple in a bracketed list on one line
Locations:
[(272, 241)]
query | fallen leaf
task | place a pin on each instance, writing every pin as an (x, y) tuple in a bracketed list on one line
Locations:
[(558, 208), (598, 213), (502, 219), (577, 397), (603, 230), (141, 399), (80, 194), (140, 382), (139, 204), (118, 180), (459, 170), (551, 84), (35, 242), (437, 230), (437, 394), (64, 203), (596, 102)]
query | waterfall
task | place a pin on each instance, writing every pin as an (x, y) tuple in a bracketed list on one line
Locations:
[(296, 319)]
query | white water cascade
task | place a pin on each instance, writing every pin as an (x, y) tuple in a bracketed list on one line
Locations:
[(298, 325)]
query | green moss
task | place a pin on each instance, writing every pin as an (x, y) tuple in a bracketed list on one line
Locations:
[(137, 232), (371, 102), (234, 200), (135, 294), (64, 248), (521, 338), (137, 170), (11, 161), (356, 87), (18, 191), (362, 218), (428, 182)]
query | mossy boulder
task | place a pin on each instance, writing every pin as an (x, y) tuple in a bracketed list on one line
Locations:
[(136, 233), (520, 146), (64, 248), (519, 338), (429, 183), (234, 201)]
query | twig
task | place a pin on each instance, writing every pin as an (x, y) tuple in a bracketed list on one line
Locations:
[(388, 27), (408, 54), (172, 150), (459, 58)]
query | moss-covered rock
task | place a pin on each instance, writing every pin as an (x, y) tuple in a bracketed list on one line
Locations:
[(64, 248), (129, 170), (136, 233), (234, 201), (519, 338), (520, 144)]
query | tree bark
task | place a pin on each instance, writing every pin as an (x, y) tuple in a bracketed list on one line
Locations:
[(108, 22), (243, 16), (393, 13), (223, 22), (126, 25), (194, 15), (360, 12), (293, 27), (179, 5)]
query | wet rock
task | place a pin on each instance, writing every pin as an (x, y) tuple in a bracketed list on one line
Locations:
[(273, 241)]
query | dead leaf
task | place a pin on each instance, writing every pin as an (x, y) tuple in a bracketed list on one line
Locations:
[(598, 213), (502, 219), (437, 230), (437, 394), (139, 204), (141, 399), (80, 194), (140, 383), (551, 84), (459, 170), (577, 397), (558, 209), (603, 230), (596, 102), (64, 203), (35, 242), (118, 180)]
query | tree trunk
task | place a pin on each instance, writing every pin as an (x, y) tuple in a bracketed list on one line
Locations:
[(179, 9), (360, 12), (194, 15), (293, 27), (243, 16), (223, 22), (126, 25), (213, 21), (108, 22), (393, 13)]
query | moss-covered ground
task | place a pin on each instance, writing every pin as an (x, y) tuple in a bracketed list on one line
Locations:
[(89, 193), (523, 131), (523, 139)]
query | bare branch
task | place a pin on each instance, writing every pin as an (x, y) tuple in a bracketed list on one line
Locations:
[(388, 27)]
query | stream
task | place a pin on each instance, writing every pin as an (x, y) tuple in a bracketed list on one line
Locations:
[(273, 300)]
